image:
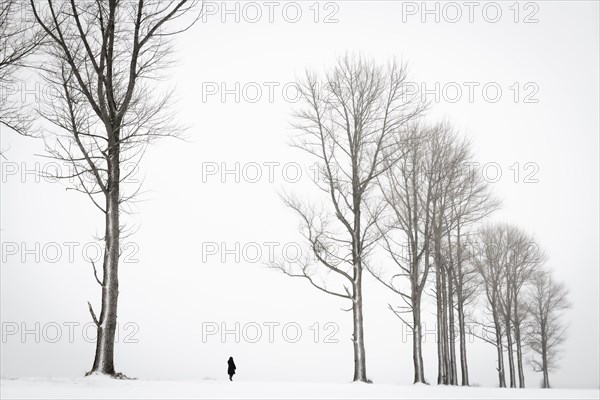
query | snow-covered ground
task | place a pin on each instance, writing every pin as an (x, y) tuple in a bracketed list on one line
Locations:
[(100, 388)]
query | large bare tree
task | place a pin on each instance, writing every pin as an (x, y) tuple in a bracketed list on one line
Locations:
[(547, 302), (431, 193), (470, 201), (349, 123), (103, 59), (409, 189), (448, 154)]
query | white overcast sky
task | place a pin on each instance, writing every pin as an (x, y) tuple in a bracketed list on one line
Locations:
[(169, 293)]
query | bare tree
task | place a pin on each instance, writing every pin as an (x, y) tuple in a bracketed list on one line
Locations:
[(448, 154), (103, 58), (458, 196), (409, 189), (471, 201), (547, 302), (489, 260), (448, 194), (508, 260), (348, 122), (523, 258), (467, 289), (19, 38), (527, 259)]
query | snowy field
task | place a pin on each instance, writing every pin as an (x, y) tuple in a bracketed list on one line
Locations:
[(100, 388)]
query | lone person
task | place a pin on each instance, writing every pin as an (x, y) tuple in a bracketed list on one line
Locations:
[(231, 368)]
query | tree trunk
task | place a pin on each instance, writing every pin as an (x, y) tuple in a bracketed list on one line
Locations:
[(519, 355), (447, 372), (440, 347), (511, 361), (500, 368), (107, 323), (464, 368), (360, 369), (520, 362), (452, 333), (417, 342), (501, 378), (546, 384)]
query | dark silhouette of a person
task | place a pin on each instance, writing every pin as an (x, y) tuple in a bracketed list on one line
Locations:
[(230, 368)]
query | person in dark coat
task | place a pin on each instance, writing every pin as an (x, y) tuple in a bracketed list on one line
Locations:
[(230, 368)]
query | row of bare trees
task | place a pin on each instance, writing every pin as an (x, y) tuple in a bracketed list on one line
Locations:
[(349, 124), (433, 198), (524, 303), (391, 181)]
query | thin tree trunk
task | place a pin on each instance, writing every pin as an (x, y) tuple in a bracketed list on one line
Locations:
[(360, 369), (464, 367), (517, 324), (501, 378), (546, 384), (519, 355), (452, 333), (500, 353), (546, 380), (440, 347), (417, 342), (107, 323), (520, 361), (511, 361), (447, 372), (416, 291)]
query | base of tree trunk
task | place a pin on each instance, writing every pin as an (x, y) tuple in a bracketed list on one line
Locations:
[(116, 375)]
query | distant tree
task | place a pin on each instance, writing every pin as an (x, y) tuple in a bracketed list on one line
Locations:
[(507, 261), (522, 258), (547, 302), (489, 260), (527, 258)]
